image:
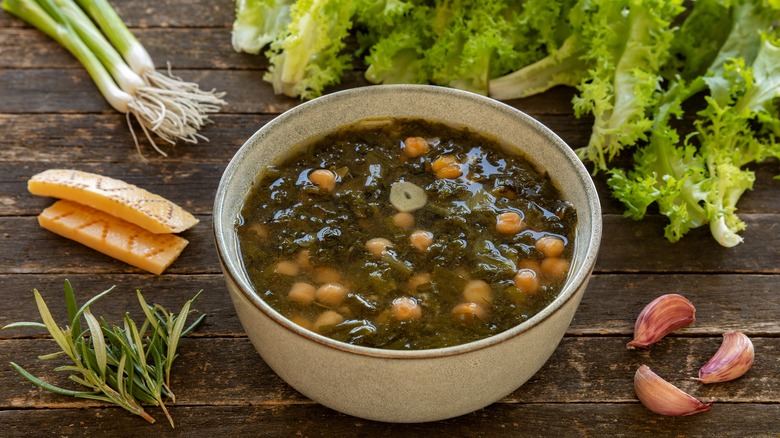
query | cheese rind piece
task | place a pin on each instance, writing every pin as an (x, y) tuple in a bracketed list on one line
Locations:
[(112, 236), (115, 197)]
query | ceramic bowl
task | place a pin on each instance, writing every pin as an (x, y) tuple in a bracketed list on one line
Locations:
[(390, 385)]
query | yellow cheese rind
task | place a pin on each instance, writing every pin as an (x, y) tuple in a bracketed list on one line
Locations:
[(117, 198), (112, 236)]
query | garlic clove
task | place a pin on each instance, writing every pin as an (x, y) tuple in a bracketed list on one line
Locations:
[(662, 397), (662, 316), (733, 359)]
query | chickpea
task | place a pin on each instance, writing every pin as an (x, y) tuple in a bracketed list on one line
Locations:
[(287, 267), (555, 267), (526, 281), (302, 321), (406, 309), (378, 245), (421, 239), (446, 167), (418, 280), (550, 246), (450, 172), (327, 318), (478, 291), (403, 220), (529, 264), (324, 179), (303, 259), (260, 230), (509, 223), (467, 312), (382, 317), (415, 147), (325, 274), (331, 294), (442, 162), (302, 293), (462, 272)]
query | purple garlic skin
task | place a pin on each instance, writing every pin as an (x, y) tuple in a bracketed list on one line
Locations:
[(662, 397), (660, 317), (733, 359)]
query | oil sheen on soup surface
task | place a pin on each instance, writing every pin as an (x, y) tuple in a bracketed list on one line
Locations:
[(406, 234)]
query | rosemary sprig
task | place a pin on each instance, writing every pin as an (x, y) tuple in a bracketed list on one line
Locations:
[(126, 365)]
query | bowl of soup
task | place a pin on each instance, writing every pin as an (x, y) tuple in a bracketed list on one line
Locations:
[(406, 253)]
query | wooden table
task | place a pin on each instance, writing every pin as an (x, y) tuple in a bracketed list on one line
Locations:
[(51, 115)]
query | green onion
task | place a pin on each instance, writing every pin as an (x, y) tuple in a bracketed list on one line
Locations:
[(122, 69), (32, 13)]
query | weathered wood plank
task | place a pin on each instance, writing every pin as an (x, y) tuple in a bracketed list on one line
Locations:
[(228, 371), (106, 138), (189, 48), (192, 187), (628, 245), (168, 14), (500, 421), (50, 139), (748, 303), (71, 91), (28, 248)]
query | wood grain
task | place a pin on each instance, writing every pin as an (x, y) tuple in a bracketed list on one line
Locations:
[(229, 372), (528, 420), (51, 115), (168, 14), (227, 386), (204, 49)]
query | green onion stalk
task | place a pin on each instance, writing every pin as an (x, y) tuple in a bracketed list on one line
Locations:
[(122, 69)]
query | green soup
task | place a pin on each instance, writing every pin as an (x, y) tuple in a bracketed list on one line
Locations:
[(406, 234)]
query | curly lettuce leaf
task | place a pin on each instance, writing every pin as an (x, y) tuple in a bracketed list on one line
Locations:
[(467, 38), (399, 56), (310, 55), (627, 47), (665, 172), (563, 65), (699, 40), (258, 23), (700, 181), (730, 140)]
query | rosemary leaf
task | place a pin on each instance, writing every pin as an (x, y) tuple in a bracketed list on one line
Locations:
[(56, 333), (79, 380), (124, 365), (70, 304), (24, 325), (98, 342), (121, 388), (147, 310), (45, 385), (193, 325), (51, 355), (89, 303), (175, 335)]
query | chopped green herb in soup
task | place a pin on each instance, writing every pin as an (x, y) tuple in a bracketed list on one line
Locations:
[(406, 234)]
